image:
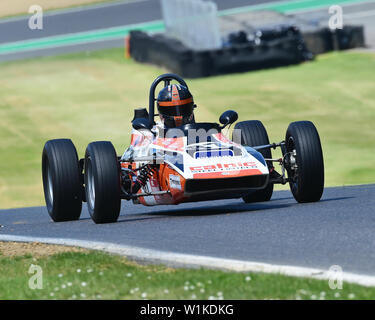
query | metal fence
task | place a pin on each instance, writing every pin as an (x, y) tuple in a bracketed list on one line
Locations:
[(193, 22)]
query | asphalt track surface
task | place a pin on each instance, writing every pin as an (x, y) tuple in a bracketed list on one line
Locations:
[(116, 18), (338, 230), (98, 17)]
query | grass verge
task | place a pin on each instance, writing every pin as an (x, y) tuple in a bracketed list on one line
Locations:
[(96, 275), (91, 96)]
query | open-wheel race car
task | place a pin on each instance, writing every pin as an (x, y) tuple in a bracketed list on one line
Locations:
[(178, 160)]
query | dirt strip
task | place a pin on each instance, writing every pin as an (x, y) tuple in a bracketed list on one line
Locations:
[(36, 249)]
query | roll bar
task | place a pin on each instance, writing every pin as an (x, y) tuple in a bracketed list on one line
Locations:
[(167, 78)]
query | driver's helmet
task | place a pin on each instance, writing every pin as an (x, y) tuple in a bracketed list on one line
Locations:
[(175, 106)]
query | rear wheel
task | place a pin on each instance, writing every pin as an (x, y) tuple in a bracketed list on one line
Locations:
[(253, 133), (62, 180), (102, 182), (304, 160)]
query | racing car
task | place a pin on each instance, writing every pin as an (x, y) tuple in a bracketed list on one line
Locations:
[(185, 162)]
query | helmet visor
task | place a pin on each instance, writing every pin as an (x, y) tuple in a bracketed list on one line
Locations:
[(172, 109)]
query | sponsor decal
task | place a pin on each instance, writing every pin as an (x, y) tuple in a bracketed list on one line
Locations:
[(175, 181), (224, 167)]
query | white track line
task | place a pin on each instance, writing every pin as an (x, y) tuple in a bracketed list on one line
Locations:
[(194, 261)]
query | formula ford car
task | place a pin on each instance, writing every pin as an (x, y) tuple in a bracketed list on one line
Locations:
[(191, 162)]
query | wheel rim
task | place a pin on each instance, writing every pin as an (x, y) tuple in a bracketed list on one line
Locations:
[(49, 184), (90, 185)]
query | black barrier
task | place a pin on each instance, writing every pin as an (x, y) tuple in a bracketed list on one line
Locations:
[(282, 48), (319, 41), (325, 40), (349, 37)]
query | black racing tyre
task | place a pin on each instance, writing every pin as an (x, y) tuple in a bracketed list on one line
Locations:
[(305, 165), (102, 182), (62, 182), (253, 133)]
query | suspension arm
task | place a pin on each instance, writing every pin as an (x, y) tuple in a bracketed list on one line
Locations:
[(269, 146), (143, 194)]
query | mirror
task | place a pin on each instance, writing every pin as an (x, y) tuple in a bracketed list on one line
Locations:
[(228, 117), (142, 123)]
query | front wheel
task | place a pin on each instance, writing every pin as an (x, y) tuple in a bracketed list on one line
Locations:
[(253, 133), (304, 161), (62, 183), (102, 182)]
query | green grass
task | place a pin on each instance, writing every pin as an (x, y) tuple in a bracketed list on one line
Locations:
[(95, 275), (90, 96)]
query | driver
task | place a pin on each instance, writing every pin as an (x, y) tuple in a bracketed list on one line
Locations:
[(175, 105)]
